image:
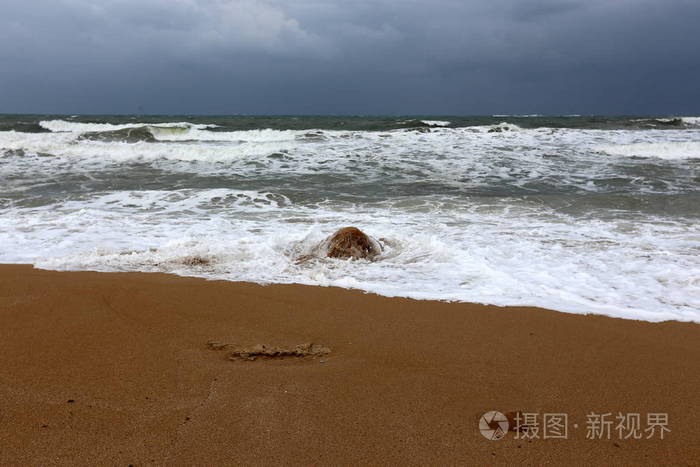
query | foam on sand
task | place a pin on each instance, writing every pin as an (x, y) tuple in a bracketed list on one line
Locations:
[(503, 255)]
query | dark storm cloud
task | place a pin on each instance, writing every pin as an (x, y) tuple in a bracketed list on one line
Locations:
[(382, 56)]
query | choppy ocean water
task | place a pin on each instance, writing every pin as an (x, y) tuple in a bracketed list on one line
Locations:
[(578, 214)]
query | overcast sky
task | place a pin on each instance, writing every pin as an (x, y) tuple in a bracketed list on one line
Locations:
[(350, 56)]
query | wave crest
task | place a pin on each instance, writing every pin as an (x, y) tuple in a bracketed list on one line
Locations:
[(125, 135), (668, 151), (58, 126)]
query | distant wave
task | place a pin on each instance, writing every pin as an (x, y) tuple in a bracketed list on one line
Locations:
[(498, 128), (23, 127), (691, 121), (516, 115), (669, 151), (173, 132), (424, 123), (125, 135), (436, 122), (80, 127), (655, 122), (670, 121)]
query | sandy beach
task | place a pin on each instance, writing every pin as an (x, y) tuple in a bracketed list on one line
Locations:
[(137, 369)]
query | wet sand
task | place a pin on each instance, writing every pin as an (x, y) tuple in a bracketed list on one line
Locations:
[(154, 369)]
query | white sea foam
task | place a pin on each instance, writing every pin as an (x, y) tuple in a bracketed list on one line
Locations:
[(670, 150)]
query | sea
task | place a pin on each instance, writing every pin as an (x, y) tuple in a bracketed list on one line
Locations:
[(580, 214)]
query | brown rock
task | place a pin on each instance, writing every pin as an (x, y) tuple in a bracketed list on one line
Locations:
[(352, 243)]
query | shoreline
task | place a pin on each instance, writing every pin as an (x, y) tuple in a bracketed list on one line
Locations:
[(362, 291), (134, 368)]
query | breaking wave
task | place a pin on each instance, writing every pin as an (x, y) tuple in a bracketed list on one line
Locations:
[(691, 121), (126, 135), (668, 151), (436, 122), (80, 127)]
